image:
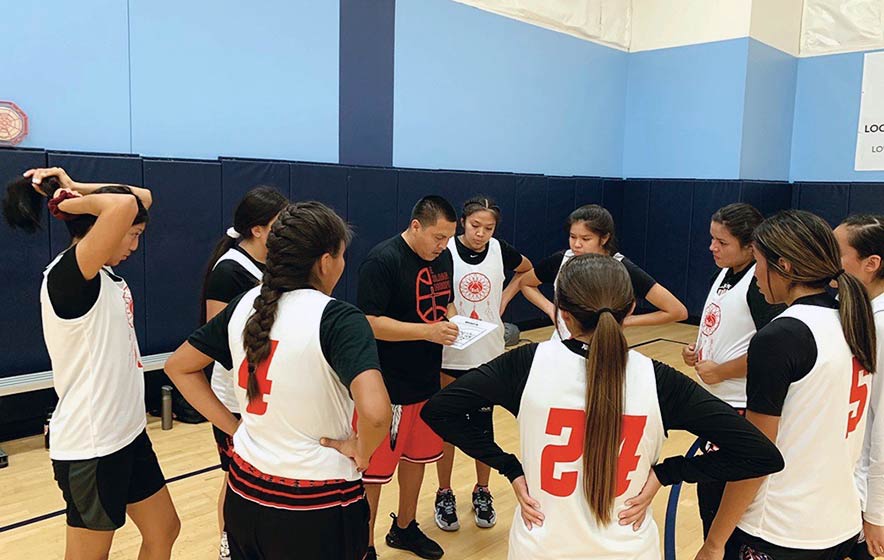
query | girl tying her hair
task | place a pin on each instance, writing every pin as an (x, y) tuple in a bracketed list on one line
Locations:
[(101, 455)]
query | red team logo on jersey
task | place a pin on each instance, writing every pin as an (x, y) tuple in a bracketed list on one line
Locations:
[(429, 290), (129, 304), (474, 287), (711, 319)]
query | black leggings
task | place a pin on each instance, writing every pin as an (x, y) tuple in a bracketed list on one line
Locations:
[(256, 532)]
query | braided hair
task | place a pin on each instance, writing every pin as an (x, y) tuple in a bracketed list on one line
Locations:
[(303, 233)]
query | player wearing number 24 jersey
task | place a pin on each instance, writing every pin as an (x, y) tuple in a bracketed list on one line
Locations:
[(590, 470)]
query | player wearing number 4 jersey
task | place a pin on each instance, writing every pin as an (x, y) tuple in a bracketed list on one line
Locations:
[(806, 389), (592, 419), (303, 360)]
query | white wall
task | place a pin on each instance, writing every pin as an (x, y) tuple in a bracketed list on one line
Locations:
[(777, 23), (658, 24)]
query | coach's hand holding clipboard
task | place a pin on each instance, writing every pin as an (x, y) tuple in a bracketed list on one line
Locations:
[(469, 331)]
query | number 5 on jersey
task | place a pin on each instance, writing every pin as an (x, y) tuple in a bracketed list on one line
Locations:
[(575, 420), (258, 406)]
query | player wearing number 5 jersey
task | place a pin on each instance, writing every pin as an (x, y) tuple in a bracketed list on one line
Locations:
[(592, 419), (302, 361), (807, 389)]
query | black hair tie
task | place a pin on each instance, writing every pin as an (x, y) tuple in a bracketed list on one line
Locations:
[(836, 275), (603, 310)]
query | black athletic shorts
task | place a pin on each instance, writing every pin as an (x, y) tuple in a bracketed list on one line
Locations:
[(257, 531), (225, 445), (98, 490), (743, 546)]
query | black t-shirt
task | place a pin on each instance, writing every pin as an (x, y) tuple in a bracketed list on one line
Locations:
[(71, 295), (780, 354), (761, 311), (345, 337), (642, 282), (744, 451), (511, 258), (229, 279), (395, 282)]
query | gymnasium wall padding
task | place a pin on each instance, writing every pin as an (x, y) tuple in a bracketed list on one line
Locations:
[(589, 190), (530, 215), (372, 212), (708, 196), (632, 227), (183, 231), (768, 196), (239, 176), (22, 260), (866, 198), (326, 184), (669, 229), (108, 169), (612, 197), (829, 201)]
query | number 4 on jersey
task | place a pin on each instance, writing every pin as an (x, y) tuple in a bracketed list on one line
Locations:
[(258, 406), (575, 420)]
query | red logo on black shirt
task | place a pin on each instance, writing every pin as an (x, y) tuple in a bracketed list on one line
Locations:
[(432, 294)]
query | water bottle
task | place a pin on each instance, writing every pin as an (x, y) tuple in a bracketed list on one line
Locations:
[(167, 407)]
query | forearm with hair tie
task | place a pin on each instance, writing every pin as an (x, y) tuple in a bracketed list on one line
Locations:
[(57, 213)]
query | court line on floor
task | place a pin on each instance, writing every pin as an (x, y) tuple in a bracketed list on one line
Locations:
[(50, 515)]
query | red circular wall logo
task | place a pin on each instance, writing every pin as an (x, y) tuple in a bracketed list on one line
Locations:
[(474, 287), (711, 318), (13, 124)]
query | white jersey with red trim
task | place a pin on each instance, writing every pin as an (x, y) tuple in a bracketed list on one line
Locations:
[(302, 398), (96, 371), (726, 329), (478, 293), (813, 503), (551, 426)]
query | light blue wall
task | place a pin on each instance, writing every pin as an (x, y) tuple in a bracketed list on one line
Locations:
[(474, 90), (684, 111), (227, 78), (826, 119), (768, 114), (67, 65), (207, 78)]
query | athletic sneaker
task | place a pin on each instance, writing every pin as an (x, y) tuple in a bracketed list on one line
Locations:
[(413, 540), (371, 554), (483, 507), (446, 510), (224, 549)]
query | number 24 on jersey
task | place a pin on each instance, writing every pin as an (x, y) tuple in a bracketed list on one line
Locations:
[(565, 484)]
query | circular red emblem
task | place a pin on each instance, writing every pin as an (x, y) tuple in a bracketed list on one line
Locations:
[(474, 287), (711, 318), (13, 124)]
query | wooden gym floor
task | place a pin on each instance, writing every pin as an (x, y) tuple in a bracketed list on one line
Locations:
[(32, 526)]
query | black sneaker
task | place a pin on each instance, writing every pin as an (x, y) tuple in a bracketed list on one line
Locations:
[(371, 554), (413, 540), (446, 510), (483, 507)]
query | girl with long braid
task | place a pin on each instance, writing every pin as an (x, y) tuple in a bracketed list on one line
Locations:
[(303, 361)]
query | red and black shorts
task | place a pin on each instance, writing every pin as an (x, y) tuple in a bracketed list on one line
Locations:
[(410, 439)]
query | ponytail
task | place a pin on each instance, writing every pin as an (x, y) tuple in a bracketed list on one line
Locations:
[(24, 207), (605, 379), (597, 292), (806, 242), (857, 320), (257, 208)]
